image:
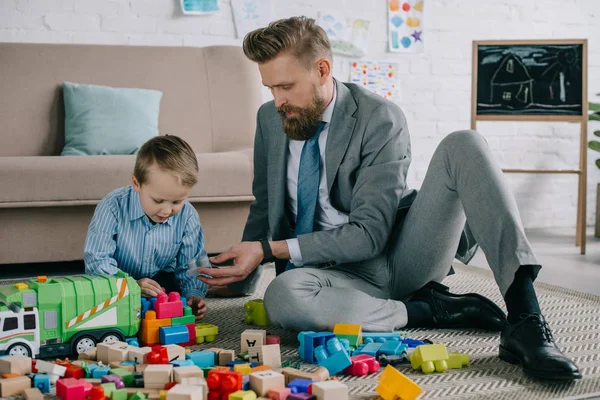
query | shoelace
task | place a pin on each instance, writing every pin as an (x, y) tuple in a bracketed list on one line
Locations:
[(540, 325)]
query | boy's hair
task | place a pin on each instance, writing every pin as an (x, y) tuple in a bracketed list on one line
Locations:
[(172, 154), (306, 40)]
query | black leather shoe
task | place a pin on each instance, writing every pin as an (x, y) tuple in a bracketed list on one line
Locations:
[(529, 342), (469, 310)]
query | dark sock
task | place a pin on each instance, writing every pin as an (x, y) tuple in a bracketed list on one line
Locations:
[(419, 314), (520, 297)]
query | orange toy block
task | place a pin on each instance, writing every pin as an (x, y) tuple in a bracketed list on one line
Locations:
[(394, 385), (149, 332)]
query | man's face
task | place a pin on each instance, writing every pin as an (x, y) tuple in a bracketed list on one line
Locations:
[(297, 92)]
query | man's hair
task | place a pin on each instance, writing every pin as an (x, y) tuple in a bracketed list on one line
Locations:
[(306, 40), (171, 154)]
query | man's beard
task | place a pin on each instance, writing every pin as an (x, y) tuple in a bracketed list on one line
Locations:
[(303, 125)]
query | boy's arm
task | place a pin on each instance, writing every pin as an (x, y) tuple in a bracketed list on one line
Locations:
[(100, 244), (192, 248)]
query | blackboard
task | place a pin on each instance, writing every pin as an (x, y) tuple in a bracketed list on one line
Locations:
[(529, 79)]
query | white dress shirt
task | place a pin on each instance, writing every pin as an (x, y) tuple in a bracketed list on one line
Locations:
[(326, 217)]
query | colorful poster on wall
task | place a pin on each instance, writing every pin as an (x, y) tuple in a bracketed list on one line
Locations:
[(348, 36), (379, 77), (405, 26), (251, 14), (199, 7)]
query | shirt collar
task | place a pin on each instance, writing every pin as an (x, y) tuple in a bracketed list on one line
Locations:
[(329, 110), (135, 207)]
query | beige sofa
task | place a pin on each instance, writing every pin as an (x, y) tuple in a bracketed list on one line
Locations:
[(210, 98)]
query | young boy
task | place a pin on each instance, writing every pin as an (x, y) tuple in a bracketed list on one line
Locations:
[(149, 230)]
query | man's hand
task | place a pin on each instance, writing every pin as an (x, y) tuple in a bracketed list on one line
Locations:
[(246, 257), (150, 288), (198, 305)]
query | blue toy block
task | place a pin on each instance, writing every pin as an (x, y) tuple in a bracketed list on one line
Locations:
[(392, 348), (132, 341), (299, 385), (203, 358), (345, 344), (381, 337), (42, 382), (369, 348), (99, 372), (174, 334), (309, 341), (182, 363), (333, 357), (413, 342), (245, 382)]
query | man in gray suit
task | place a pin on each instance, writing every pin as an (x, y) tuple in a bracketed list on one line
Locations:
[(351, 243)]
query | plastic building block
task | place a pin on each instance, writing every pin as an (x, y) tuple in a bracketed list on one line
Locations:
[(279, 394), (243, 369), (206, 332), (458, 360), (223, 383), (333, 356), (309, 341), (301, 396), (116, 379), (168, 306), (149, 331), (99, 372), (127, 376), (381, 337), (108, 388), (158, 355), (414, 342), (73, 389), (139, 395), (362, 364), (187, 318), (203, 358), (394, 385), (429, 358), (392, 348), (243, 395), (299, 385), (133, 341), (351, 332), (256, 313), (42, 382), (119, 394), (273, 339), (370, 349), (182, 363), (173, 334), (329, 390)]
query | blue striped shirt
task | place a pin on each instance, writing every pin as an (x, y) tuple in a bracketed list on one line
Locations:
[(121, 237)]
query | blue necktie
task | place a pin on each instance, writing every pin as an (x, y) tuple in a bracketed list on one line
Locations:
[(308, 186)]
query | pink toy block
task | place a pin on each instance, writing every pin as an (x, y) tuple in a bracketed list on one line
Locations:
[(168, 307), (362, 364), (279, 394), (273, 339), (73, 389)]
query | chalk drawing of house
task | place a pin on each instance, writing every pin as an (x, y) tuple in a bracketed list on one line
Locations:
[(511, 84)]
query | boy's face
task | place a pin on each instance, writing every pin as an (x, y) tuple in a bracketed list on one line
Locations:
[(162, 196)]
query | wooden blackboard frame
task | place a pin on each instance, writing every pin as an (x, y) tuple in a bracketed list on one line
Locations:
[(580, 239)]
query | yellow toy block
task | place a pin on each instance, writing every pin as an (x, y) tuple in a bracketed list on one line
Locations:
[(394, 385), (206, 332), (458, 360), (243, 369), (429, 358), (243, 395), (347, 329)]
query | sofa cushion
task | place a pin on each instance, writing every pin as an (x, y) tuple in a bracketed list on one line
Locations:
[(106, 120), (55, 180)]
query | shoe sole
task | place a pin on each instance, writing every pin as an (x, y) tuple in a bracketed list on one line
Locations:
[(511, 358)]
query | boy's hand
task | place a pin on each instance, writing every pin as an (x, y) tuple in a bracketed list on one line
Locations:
[(149, 287), (198, 305)]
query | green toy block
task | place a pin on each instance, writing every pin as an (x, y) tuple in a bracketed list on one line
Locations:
[(127, 376), (243, 395), (243, 356), (458, 360), (353, 339), (138, 396), (429, 358), (255, 313), (205, 370), (206, 332), (188, 317), (119, 394), (108, 388)]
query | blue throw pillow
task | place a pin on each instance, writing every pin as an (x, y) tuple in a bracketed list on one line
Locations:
[(106, 120)]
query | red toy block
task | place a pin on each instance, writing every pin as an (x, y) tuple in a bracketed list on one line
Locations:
[(97, 393), (362, 364), (74, 371), (273, 339), (73, 389), (222, 383), (192, 332), (170, 307), (158, 355)]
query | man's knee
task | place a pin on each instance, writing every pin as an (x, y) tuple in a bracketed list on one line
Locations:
[(464, 139)]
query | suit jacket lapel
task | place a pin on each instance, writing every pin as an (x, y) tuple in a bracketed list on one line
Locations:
[(340, 131)]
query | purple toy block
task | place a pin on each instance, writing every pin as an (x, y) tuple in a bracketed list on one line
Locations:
[(116, 379), (301, 396)]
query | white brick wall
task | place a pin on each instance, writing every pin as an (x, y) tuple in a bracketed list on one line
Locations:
[(436, 85)]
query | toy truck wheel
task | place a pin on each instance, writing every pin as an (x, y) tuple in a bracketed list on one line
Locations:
[(111, 338), (83, 344), (19, 349)]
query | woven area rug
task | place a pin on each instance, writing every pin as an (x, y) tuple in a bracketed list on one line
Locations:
[(573, 316)]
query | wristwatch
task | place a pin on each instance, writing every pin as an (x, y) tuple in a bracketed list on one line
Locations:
[(267, 253)]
